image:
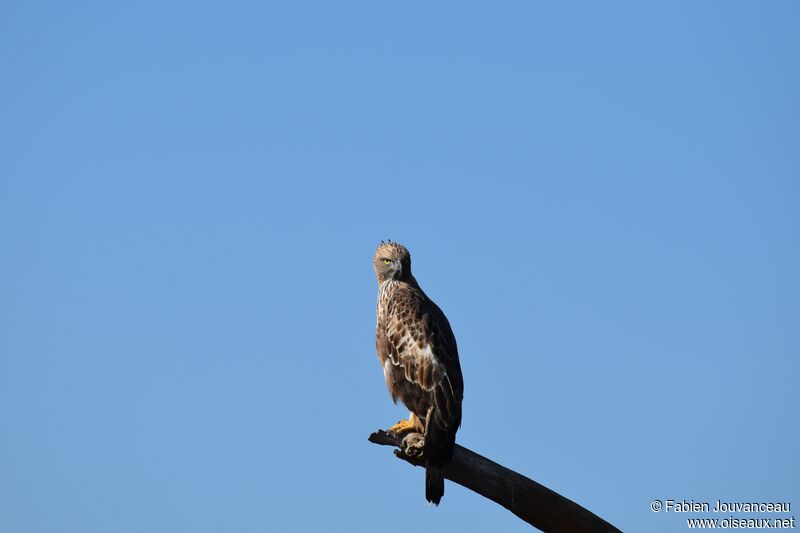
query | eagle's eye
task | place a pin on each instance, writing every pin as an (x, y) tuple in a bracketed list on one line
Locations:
[(387, 261)]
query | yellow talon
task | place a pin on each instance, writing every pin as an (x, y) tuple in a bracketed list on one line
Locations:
[(402, 427)]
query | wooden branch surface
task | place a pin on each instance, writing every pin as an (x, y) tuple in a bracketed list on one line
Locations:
[(532, 502)]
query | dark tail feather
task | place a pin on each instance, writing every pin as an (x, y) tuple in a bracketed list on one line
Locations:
[(439, 444), (434, 484)]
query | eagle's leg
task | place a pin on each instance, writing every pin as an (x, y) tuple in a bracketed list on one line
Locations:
[(419, 425), (412, 425)]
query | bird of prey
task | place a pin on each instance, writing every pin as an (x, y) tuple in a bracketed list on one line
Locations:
[(418, 352)]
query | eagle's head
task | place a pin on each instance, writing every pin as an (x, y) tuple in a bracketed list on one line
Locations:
[(392, 261)]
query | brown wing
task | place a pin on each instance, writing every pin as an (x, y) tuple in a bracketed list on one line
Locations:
[(423, 346)]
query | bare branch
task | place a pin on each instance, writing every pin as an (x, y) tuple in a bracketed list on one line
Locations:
[(532, 502)]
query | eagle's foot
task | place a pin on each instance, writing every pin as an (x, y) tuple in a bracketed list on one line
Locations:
[(413, 444), (402, 427)]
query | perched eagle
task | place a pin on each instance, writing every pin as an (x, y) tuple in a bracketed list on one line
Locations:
[(420, 361)]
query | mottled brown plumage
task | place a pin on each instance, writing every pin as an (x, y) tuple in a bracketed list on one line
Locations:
[(419, 355)]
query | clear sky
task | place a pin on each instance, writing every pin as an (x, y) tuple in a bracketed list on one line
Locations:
[(603, 198)]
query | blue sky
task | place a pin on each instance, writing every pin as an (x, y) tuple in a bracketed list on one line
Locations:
[(602, 198)]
